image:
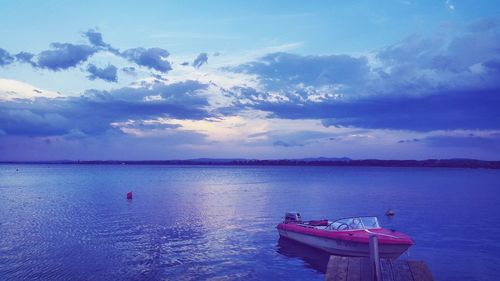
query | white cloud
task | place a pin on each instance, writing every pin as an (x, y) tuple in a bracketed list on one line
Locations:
[(153, 98), (13, 89)]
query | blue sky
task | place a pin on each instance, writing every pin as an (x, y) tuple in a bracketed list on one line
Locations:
[(259, 79)]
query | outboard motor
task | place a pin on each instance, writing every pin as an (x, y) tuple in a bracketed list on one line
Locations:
[(292, 217)]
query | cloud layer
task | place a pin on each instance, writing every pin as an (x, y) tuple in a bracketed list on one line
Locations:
[(94, 112), (420, 90), (64, 56), (420, 83)]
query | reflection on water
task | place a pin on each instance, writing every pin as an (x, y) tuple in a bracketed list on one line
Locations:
[(312, 257), (198, 223)]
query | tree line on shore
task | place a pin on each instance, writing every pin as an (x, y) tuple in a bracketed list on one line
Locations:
[(438, 163)]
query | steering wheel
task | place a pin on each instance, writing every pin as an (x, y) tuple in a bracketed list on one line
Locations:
[(344, 226)]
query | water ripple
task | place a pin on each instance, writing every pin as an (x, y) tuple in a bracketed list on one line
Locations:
[(218, 223)]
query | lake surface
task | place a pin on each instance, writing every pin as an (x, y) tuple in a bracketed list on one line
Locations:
[(63, 222)]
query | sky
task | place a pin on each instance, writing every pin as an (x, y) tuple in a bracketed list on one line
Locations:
[(152, 80)]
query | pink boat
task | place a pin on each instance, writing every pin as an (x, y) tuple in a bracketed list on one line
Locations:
[(345, 237)]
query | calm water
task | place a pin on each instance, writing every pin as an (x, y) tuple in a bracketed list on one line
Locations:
[(218, 223)]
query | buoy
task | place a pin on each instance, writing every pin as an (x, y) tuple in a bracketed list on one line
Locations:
[(129, 195), (390, 213)]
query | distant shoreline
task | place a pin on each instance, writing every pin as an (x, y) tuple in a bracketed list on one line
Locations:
[(334, 162)]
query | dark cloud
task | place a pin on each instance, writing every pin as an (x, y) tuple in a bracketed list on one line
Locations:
[(24, 120), (158, 77), (200, 60), (179, 100), (444, 110), (153, 58), (461, 141), (409, 141), (283, 70), (286, 144), (111, 145), (64, 56), (421, 64), (421, 83), (5, 57), (109, 73), (95, 38), (25, 57), (130, 70), (441, 110), (61, 56), (93, 112)]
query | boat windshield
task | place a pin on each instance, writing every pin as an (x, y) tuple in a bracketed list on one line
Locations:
[(355, 223)]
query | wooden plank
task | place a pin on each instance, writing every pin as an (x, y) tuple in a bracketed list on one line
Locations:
[(342, 269), (386, 270), (365, 271), (331, 268), (374, 258), (354, 269), (337, 268), (359, 269), (401, 271), (420, 271)]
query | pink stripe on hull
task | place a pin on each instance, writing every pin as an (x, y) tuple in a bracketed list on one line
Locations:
[(360, 236)]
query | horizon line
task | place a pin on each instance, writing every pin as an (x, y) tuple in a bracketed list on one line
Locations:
[(314, 161)]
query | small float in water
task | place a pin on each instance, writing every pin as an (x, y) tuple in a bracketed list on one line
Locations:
[(390, 213), (346, 236)]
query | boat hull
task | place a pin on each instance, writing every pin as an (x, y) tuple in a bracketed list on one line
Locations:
[(343, 247)]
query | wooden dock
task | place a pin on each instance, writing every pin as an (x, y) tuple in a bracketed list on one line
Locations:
[(359, 269), (375, 269)]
